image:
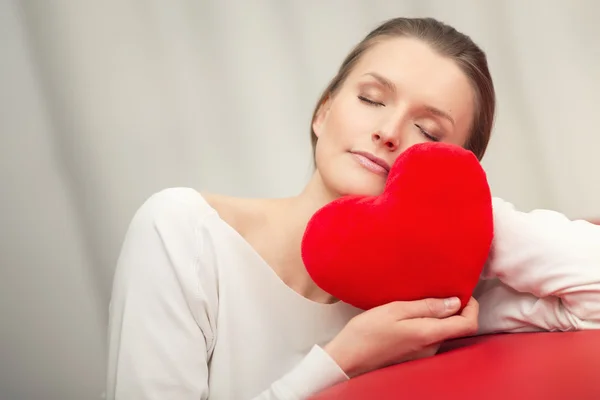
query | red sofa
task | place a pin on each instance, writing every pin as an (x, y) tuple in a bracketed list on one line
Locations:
[(531, 366)]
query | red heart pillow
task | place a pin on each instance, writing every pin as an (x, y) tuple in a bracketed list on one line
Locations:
[(427, 235)]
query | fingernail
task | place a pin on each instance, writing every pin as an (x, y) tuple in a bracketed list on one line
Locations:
[(452, 303)]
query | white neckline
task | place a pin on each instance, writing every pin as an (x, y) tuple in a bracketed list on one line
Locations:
[(265, 265)]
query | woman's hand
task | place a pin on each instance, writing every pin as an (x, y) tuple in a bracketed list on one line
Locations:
[(400, 331)]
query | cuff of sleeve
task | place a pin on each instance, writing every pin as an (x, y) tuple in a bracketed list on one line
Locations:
[(316, 372)]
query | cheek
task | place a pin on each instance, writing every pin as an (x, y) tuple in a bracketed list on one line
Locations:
[(349, 120)]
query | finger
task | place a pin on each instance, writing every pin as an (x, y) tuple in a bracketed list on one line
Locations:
[(471, 310), (427, 351), (435, 330), (426, 308)]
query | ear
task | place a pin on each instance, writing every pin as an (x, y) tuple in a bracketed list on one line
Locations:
[(321, 116)]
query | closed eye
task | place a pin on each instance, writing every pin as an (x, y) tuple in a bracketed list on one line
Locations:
[(370, 102), (427, 134)]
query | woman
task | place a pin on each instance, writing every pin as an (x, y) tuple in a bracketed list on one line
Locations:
[(211, 299)]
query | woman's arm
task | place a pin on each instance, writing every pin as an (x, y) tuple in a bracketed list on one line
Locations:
[(161, 317), (543, 273), (163, 312)]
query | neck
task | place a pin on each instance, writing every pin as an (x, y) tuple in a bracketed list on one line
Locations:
[(292, 215), (314, 196)]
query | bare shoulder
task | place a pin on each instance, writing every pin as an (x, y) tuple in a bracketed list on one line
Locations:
[(242, 214)]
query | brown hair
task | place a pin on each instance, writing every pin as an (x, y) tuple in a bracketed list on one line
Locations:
[(448, 42)]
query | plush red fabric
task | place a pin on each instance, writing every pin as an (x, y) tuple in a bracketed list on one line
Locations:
[(427, 235)]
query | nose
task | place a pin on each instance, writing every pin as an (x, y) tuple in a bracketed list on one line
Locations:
[(390, 141)]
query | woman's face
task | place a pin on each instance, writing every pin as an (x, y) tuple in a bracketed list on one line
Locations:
[(400, 93)]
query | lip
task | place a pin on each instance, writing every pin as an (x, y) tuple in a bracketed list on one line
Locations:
[(372, 163)]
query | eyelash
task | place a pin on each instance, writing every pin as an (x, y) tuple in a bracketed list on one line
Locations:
[(370, 102), (376, 104), (427, 134)]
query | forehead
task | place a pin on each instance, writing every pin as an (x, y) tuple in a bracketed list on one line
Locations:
[(421, 75)]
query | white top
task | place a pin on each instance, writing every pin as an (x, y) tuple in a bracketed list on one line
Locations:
[(196, 313)]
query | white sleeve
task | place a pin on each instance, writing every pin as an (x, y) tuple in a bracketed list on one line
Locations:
[(543, 273), (161, 318), (316, 372), (163, 314)]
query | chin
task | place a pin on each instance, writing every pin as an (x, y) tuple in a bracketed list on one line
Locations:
[(363, 190), (343, 176), (352, 184)]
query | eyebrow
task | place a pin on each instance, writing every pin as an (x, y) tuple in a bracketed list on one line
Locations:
[(439, 113), (430, 109)]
